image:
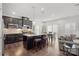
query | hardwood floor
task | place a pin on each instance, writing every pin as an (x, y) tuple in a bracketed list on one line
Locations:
[(17, 49)]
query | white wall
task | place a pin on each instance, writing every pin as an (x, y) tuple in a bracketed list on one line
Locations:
[(37, 27), (66, 25), (49, 28), (0, 29)]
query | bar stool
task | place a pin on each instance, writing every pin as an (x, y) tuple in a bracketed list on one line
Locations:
[(44, 41), (37, 43)]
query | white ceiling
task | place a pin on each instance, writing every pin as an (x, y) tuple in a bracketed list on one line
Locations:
[(50, 11)]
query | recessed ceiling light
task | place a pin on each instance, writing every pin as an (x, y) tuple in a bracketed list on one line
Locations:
[(42, 9), (13, 13), (34, 22)]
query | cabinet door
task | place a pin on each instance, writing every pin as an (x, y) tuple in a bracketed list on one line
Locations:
[(6, 21), (28, 23), (14, 20), (19, 23)]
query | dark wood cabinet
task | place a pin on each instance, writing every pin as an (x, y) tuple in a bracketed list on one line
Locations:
[(29, 41), (16, 22), (12, 38), (27, 22), (6, 21)]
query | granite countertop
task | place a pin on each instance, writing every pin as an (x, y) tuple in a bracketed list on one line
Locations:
[(12, 31), (30, 35)]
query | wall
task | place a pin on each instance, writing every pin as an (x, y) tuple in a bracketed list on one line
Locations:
[(0, 30), (37, 27), (66, 25)]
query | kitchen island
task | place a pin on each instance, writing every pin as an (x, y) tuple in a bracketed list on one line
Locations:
[(31, 41)]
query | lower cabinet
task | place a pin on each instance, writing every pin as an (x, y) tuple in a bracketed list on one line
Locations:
[(12, 38)]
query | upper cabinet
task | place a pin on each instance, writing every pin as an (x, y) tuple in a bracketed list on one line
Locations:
[(11, 22), (26, 22)]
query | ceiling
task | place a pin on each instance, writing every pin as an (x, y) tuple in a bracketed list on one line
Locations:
[(40, 11)]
